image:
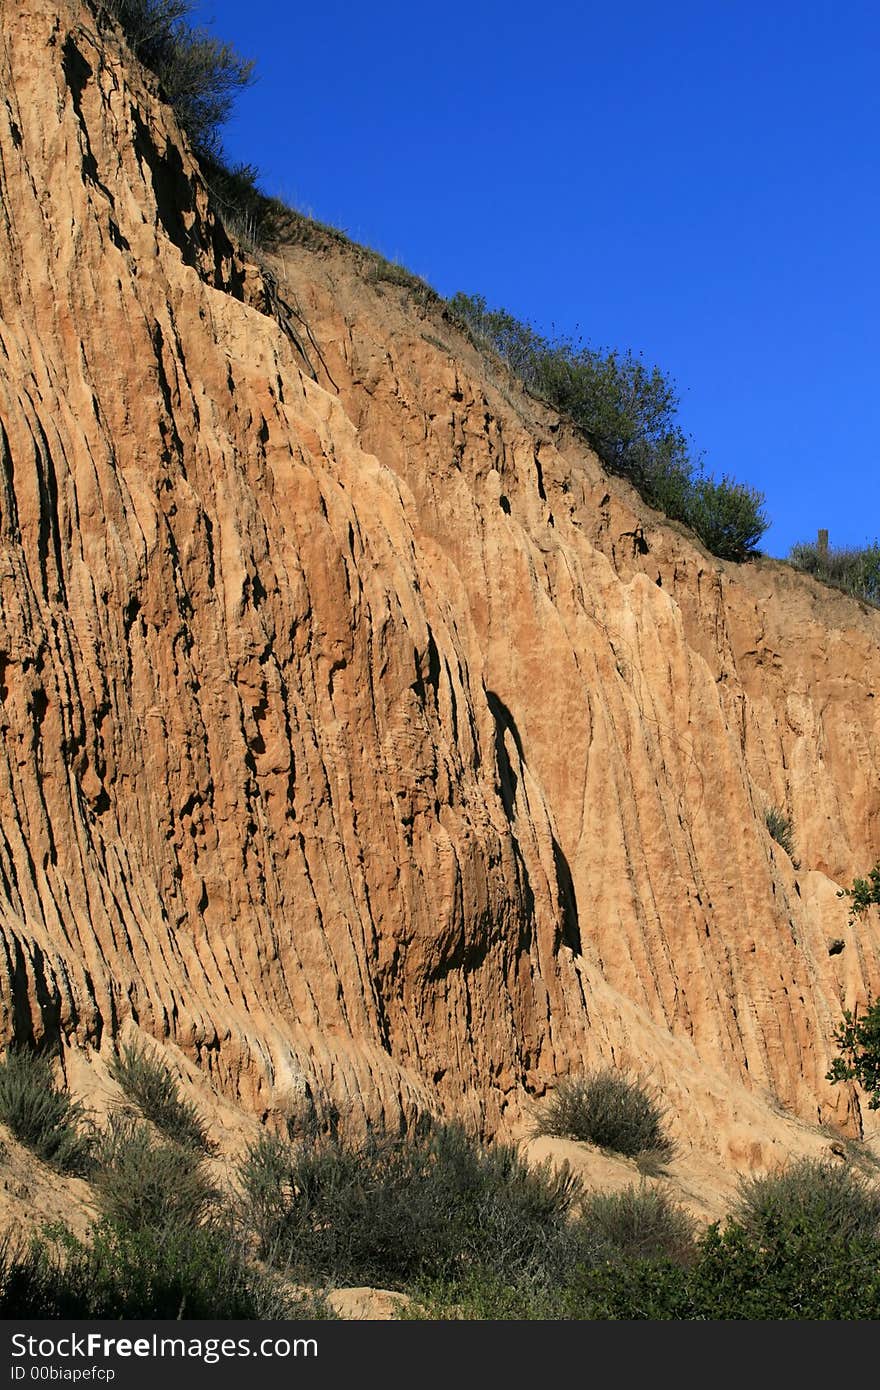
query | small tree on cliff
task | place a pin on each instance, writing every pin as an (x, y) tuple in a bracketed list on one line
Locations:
[(859, 1058), (859, 1038), (865, 893)]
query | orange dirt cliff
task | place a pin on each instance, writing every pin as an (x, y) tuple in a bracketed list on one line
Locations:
[(362, 741)]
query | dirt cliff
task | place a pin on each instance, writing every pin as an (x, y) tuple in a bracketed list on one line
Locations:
[(362, 741)]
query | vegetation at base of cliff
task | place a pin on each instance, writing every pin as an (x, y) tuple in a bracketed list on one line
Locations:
[(853, 569), (608, 1109), (143, 1183), (640, 1223), (467, 1230), (42, 1115), (397, 1210), (813, 1194), (153, 1090), (168, 1243), (802, 1245), (628, 411), (799, 1275), (189, 1271)]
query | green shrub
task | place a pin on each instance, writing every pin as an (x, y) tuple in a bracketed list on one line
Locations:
[(816, 1196), (781, 829), (804, 1270), (854, 569), (859, 1038), (610, 1110), (144, 1183), (727, 516), (398, 1210), (170, 1272), (628, 411), (632, 1290), (640, 1223), (42, 1115), (152, 1088), (864, 893), (267, 1187), (805, 1274), (808, 1275), (859, 1057)]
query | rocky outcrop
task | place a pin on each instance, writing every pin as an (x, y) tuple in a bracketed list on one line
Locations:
[(360, 738)]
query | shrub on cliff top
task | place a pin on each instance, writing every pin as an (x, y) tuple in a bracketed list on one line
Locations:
[(629, 412), (200, 75), (854, 569)]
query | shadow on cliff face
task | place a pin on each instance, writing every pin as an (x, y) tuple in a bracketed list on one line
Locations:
[(176, 205), (172, 188), (32, 983), (77, 72), (568, 932)]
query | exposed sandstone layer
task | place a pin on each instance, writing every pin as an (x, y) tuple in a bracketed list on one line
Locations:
[(360, 737)]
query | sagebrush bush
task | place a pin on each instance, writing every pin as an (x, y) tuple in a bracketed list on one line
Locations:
[(42, 1115), (610, 1110), (817, 1196), (169, 1272), (149, 1084), (142, 1182), (267, 1188), (399, 1210), (727, 516), (641, 1223)]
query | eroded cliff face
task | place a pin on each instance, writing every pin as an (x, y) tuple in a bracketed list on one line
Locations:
[(360, 738)]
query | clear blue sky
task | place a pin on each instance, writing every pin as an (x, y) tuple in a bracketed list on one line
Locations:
[(696, 180)]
